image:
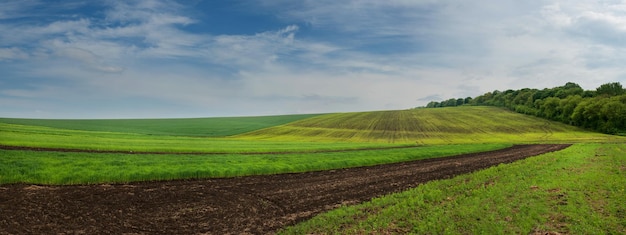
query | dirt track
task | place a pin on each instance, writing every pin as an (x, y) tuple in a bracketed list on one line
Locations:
[(257, 204)]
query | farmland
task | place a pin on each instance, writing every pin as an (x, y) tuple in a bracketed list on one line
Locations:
[(97, 152), (254, 204), (428, 126), (206, 127), (463, 125), (46, 137), (53, 167), (579, 190)]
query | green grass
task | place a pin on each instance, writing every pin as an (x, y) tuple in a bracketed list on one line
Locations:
[(579, 190), (461, 125), (88, 168), (37, 136), (208, 127), (429, 126)]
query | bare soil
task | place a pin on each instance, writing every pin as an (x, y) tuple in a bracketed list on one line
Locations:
[(244, 205)]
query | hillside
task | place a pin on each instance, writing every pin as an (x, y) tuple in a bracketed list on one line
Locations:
[(427, 126), (454, 125), (209, 127)]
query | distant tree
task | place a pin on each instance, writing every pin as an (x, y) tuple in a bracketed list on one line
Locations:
[(567, 106), (479, 100), (603, 109), (497, 99), (538, 95), (569, 89), (610, 89), (613, 114), (450, 103), (578, 117), (550, 108), (521, 97), (593, 113), (571, 85), (459, 101), (433, 104), (588, 94)]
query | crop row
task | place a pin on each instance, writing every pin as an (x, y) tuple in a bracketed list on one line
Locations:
[(36, 167), (427, 126), (46, 137)]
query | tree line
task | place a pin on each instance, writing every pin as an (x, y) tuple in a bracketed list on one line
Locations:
[(603, 109)]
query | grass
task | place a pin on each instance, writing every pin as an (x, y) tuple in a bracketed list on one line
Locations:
[(88, 168), (305, 142), (460, 125), (579, 190), (429, 126), (37, 136), (207, 127)]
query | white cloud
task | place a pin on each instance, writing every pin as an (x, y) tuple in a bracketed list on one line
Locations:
[(13, 9), (598, 22), (88, 59), (250, 52), (12, 53), (326, 56)]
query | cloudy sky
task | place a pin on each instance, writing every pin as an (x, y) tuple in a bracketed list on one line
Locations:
[(137, 59)]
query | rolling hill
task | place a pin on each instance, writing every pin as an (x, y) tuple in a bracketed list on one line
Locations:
[(457, 125), (426, 126)]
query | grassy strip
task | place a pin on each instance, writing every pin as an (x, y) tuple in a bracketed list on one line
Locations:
[(208, 127), (461, 125), (579, 190), (18, 166), (429, 126), (46, 137)]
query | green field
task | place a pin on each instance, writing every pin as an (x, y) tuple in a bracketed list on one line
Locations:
[(307, 143), (579, 190), (47, 137), (521, 197), (207, 127), (88, 168), (428, 126), (462, 125)]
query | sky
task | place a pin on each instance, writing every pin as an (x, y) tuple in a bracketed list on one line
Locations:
[(171, 59)]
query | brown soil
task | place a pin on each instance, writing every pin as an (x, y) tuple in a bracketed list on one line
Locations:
[(254, 205)]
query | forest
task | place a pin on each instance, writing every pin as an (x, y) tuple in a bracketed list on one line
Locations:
[(603, 109)]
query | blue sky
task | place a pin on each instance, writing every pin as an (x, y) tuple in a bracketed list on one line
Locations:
[(138, 59)]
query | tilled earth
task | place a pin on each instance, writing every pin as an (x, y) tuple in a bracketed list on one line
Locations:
[(254, 205)]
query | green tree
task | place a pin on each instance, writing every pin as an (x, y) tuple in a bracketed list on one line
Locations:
[(610, 89), (578, 116), (568, 89), (613, 114), (587, 94), (567, 108), (601, 110), (432, 104), (593, 114), (450, 103), (521, 98), (550, 108)]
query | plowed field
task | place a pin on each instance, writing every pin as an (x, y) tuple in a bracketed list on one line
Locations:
[(256, 204)]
